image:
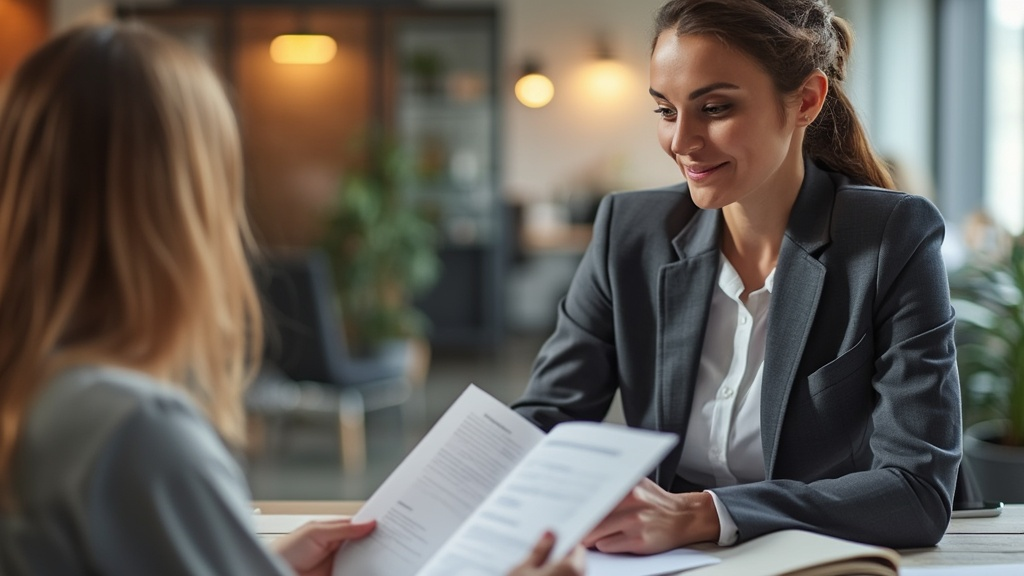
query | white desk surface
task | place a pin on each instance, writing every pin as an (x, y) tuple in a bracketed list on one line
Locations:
[(998, 540)]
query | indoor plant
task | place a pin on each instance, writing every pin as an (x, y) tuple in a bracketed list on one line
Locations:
[(988, 296), (382, 246)]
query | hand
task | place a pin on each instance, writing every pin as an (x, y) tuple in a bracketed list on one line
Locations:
[(534, 565), (650, 520), (310, 549)]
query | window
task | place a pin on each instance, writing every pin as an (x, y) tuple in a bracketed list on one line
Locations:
[(1004, 113)]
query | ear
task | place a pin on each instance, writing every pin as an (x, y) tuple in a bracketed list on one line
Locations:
[(811, 97)]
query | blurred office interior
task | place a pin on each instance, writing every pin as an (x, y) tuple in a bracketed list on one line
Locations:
[(509, 189)]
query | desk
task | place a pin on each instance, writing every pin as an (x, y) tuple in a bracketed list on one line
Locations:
[(279, 517), (997, 540)]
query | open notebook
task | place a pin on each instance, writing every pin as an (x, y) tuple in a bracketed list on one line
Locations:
[(800, 553)]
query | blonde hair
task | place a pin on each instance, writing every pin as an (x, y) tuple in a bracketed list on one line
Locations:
[(123, 234)]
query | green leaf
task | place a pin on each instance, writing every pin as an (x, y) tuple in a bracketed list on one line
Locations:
[(383, 247)]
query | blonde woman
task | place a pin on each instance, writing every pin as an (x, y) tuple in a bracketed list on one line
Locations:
[(129, 321)]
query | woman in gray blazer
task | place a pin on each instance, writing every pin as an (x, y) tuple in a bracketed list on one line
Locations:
[(782, 310)]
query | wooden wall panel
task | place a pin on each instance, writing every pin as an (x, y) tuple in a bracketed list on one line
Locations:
[(24, 25), (297, 120)]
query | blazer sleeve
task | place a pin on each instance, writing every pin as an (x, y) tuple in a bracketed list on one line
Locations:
[(574, 375), (904, 498)]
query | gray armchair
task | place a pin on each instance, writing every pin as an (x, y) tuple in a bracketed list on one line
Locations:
[(307, 366)]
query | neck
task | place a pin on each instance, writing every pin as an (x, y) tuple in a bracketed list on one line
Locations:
[(754, 228)]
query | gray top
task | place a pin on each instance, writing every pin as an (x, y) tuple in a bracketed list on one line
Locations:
[(118, 474)]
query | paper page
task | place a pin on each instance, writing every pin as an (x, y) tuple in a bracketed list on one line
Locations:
[(670, 562), (568, 484), (451, 471)]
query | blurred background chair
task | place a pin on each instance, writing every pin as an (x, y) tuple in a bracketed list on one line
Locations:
[(307, 367)]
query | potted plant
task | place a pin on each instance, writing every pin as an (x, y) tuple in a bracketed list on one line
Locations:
[(383, 248), (988, 296)]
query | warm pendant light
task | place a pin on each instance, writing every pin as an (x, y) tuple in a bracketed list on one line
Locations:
[(605, 78), (534, 89), (303, 47)]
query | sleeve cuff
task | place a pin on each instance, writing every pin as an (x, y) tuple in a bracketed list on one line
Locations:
[(729, 533)]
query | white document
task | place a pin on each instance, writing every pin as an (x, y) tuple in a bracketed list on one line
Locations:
[(670, 562), (481, 487), (450, 472)]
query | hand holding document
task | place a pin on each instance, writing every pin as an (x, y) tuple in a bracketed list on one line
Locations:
[(482, 486)]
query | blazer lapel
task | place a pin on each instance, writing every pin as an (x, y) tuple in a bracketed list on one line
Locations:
[(684, 299), (799, 279)]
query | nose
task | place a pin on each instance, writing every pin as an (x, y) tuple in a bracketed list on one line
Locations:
[(686, 138)]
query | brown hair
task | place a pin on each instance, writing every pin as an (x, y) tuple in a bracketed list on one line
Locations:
[(123, 234), (790, 39)]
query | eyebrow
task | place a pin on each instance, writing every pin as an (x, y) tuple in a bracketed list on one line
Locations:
[(699, 91)]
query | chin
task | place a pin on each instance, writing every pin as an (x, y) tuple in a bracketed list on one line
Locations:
[(705, 199)]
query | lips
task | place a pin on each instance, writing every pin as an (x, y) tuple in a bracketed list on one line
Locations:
[(698, 172)]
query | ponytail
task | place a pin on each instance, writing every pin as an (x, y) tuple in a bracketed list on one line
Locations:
[(836, 139)]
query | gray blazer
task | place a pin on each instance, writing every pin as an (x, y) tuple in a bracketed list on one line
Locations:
[(860, 402)]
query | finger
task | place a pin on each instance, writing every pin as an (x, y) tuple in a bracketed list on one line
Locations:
[(618, 543), (333, 521), (351, 530), (327, 532), (541, 550), (560, 569), (614, 523), (578, 558), (564, 568)]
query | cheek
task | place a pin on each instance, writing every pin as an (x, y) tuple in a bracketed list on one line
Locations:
[(745, 141), (726, 135)]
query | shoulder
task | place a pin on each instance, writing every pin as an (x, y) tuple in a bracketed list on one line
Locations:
[(157, 430), (642, 200), (87, 412), (129, 470), (881, 232), (871, 201), (661, 211), (107, 388), (836, 219), (87, 404)]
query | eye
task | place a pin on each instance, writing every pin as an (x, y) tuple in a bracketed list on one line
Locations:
[(665, 112), (716, 109)]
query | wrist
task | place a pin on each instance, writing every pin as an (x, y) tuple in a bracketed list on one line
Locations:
[(699, 518)]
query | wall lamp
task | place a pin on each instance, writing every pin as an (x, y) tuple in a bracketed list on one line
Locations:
[(606, 79), (533, 89), (303, 47)]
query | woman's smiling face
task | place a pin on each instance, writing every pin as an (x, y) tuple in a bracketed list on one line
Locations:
[(723, 122)]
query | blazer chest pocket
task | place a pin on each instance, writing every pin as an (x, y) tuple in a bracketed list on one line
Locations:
[(844, 369)]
